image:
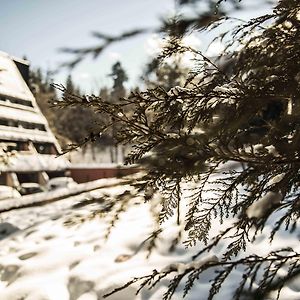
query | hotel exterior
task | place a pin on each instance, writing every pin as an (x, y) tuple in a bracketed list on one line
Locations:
[(24, 130)]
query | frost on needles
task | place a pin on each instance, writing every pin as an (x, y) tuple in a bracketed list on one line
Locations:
[(232, 131)]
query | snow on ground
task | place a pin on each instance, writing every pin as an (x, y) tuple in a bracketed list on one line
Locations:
[(58, 252)]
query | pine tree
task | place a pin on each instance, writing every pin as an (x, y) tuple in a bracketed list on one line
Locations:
[(70, 85), (119, 76), (118, 91), (234, 133), (40, 86), (75, 122)]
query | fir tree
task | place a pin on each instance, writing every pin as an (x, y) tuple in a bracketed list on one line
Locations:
[(75, 122), (70, 85), (235, 134), (118, 91), (119, 76)]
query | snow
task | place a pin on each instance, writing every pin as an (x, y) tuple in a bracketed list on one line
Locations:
[(21, 134), (175, 91), (57, 251), (263, 206), (57, 194), (94, 156), (36, 162), (12, 85), (22, 115), (272, 150), (181, 267), (11, 82)]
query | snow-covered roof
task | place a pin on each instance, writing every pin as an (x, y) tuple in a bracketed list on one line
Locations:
[(11, 82), (21, 134), (21, 115), (36, 162), (12, 85)]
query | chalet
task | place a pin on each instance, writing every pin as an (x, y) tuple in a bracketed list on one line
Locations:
[(24, 130)]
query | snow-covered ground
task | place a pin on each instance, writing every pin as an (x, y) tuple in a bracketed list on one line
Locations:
[(98, 155), (59, 251)]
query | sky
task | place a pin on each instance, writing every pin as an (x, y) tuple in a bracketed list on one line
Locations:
[(37, 29)]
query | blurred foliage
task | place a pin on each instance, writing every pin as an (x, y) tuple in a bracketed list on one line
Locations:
[(202, 13), (69, 125)]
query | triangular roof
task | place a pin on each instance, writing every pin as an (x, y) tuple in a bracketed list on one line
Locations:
[(13, 88), (11, 82), (20, 117)]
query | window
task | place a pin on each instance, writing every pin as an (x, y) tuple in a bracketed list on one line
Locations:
[(27, 177), (16, 101), (45, 148), (22, 124)]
